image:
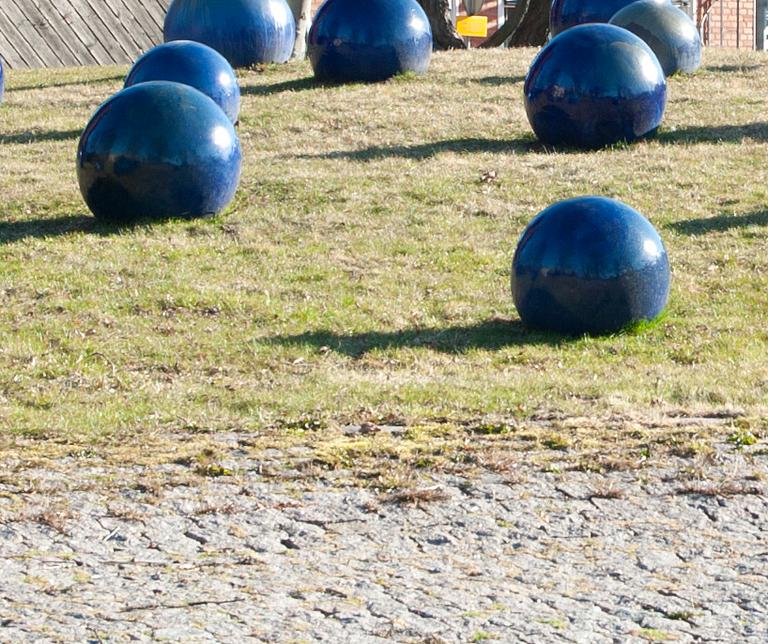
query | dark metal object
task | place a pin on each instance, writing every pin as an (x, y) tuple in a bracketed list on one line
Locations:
[(595, 85), (369, 41), (589, 265), (158, 150), (667, 30), (473, 7), (245, 32), (194, 64)]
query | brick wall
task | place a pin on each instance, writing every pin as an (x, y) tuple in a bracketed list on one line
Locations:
[(738, 23)]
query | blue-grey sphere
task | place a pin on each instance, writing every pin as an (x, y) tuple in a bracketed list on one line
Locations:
[(194, 64), (667, 30), (594, 85), (158, 150), (2, 80), (371, 41), (565, 14), (589, 265), (245, 32)]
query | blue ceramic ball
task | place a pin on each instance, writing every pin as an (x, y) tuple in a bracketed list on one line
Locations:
[(193, 64), (245, 32), (667, 30), (589, 265), (371, 41), (158, 150), (594, 85), (565, 14)]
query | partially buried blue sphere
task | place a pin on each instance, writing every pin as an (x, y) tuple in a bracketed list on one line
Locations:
[(369, 41), (667, 30), (157, 150), (589, 265), (194, 64), (595, 85), (245, 32), (565, 14)]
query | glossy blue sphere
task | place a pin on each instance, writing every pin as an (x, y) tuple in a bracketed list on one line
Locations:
[(2, 80), (589, 265), (594, 85), (194, 64), (565, 14), (245, 32), (370, 41), (158, 150), (667, 30)]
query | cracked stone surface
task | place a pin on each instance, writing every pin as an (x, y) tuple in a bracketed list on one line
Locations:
[(627, 556)]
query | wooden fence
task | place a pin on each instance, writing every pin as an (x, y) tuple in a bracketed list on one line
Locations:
[(57, 33)]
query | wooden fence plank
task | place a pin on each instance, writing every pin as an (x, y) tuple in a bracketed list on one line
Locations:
[(81, 53), (42, 29), (40, 33), (20, 48)]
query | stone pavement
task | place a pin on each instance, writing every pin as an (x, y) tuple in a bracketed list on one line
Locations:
[(660, 553)]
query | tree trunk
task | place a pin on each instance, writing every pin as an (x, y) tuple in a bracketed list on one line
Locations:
[(302, 10), (444, 34), (531, 27)]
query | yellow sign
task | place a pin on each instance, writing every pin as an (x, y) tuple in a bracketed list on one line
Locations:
[(475, 26)]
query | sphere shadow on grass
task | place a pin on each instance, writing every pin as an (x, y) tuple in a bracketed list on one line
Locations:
[(491, 335), (720, 223)]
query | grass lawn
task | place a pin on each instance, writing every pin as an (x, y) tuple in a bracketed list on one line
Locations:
[(362, 276)]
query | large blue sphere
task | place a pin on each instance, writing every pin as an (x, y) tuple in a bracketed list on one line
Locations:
[(565, 14), (351, 40), (2, 80), (194, 64), (158, 150), (589, 265), (245, 32), (667, 30), (594, 85)]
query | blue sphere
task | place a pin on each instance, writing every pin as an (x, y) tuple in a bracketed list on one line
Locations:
[(158, 150), (2, 80), (667, 30), (245, 32), (589, 265), (565, 14), (193, 64), (594, 85), (371, 41)]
